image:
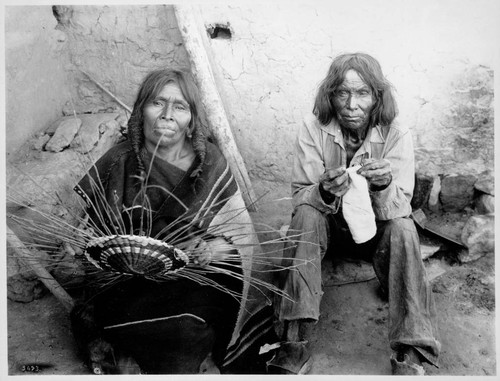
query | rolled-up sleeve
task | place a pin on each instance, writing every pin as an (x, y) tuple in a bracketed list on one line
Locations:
[(395, 200), (308, 166)]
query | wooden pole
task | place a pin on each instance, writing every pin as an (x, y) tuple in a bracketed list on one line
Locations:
[(211, 99), (108, 92), (30, 259)]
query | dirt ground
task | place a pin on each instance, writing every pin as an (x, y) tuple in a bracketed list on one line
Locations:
[(350, 338)]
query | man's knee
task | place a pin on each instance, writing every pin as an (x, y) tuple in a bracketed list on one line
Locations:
[(398, 249), (308, 234), (400, 238), (398, 235), (404, 227), (306, 215)]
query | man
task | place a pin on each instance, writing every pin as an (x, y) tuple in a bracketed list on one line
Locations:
[(353, 124)]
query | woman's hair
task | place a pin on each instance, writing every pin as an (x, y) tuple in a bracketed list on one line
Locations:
[(384, 110), (150, 88)]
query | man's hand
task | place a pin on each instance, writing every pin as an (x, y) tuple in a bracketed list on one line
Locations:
[(378, 173), (335, 181)]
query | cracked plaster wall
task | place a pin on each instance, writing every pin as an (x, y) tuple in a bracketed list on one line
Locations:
[(438, 55), (116, 45), (36, 81)]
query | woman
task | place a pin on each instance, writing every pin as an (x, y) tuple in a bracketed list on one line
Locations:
[(169, 182)]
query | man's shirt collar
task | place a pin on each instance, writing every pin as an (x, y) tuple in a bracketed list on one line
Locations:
[(374, 134)]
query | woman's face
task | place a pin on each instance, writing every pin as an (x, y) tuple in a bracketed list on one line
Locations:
[(166, 119)]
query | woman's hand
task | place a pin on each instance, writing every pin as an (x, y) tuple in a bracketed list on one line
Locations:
[(206, 251)]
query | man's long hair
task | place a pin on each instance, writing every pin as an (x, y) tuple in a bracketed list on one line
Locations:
[(150, 88), (384, 110)]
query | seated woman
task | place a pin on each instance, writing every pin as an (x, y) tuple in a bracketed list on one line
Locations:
[(167, 182)]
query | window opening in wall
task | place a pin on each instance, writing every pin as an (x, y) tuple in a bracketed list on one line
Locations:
[(219, 31)]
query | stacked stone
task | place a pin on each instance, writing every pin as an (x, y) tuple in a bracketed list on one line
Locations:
[(479, 231), (462, 193), (80, 132), (54, 161)]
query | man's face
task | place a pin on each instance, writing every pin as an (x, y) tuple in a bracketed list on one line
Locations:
[(353, 102), (166, 118)]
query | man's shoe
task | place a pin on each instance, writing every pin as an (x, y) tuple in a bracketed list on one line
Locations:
[(291, 358)]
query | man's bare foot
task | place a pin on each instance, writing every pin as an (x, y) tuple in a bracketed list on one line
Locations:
[(407, 362), (413, 355)]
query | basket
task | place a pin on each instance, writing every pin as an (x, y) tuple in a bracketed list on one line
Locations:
[(135, 255)]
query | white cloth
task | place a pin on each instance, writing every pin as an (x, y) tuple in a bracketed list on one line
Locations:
[(357, 208)]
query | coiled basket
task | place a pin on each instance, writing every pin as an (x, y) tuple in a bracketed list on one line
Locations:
[(135, 255)]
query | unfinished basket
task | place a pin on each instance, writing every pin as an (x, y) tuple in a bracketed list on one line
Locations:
[(135, 255)]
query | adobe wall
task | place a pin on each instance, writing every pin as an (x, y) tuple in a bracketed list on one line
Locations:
[(439, 56), (36, 78), (116, 45)]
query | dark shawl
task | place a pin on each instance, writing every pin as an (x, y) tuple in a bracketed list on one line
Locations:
[(212, 198), (116, 175)]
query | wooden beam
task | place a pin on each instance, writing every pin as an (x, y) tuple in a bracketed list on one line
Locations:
[(30, 259), (216, 115), (115, 98)]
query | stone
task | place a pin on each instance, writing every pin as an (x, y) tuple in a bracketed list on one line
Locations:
[(22, 283), (40, 142), (428, 250), (110, 136), (434, 204), (434, 268), (486, 182), (122, 120), (478, 235), (109, 125), (423, 186), (37, 180), (86, 139), (25, 290), (485, 204), (457, 192), (64, 133), (68, 109), (89, 133)]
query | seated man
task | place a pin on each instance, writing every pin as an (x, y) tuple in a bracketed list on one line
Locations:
[(353, 124)]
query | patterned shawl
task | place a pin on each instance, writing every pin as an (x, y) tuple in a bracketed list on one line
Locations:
[(214, 203)]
